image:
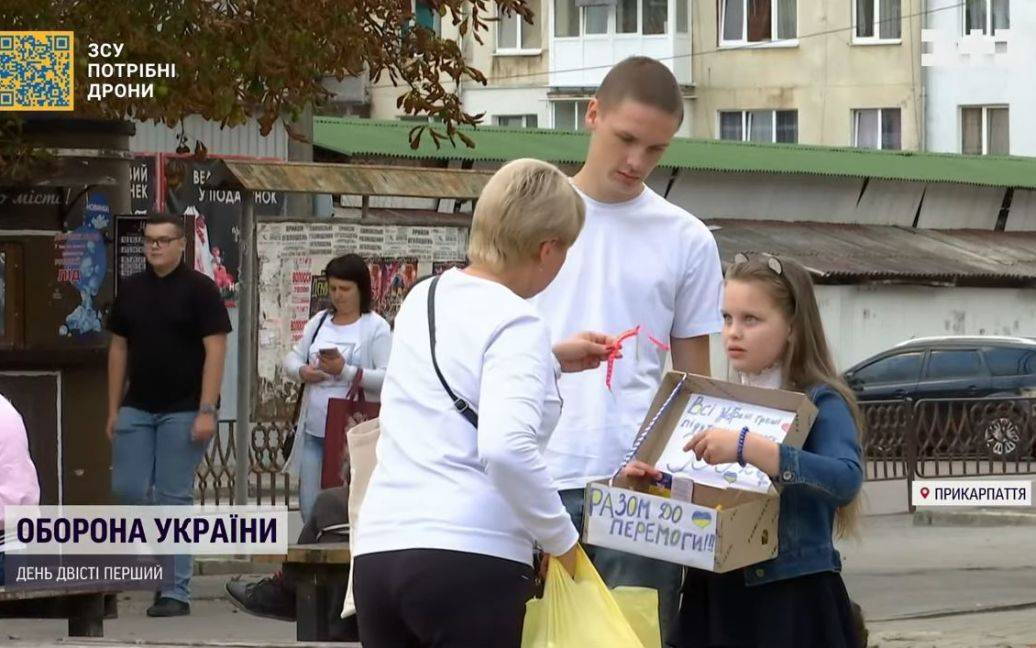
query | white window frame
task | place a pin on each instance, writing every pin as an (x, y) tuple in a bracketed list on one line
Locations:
[(881, 119), (522, 26), (524, 117), (876, 39), (989, 21), (985, 127), (576, 126), (746, 131), (613, 25), (744, 42)]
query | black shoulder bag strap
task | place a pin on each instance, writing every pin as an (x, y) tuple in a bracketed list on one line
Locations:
[(461, 405), (289, 440)]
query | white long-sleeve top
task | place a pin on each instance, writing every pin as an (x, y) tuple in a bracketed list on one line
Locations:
[(439, 483), (365, 344)]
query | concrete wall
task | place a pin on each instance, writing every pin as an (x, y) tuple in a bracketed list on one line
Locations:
[(823, 77), (505, 100), (969, 80)]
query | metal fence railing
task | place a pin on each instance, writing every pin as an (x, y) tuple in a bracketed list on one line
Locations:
[(902, 439), (886, 438), (267, 484), (975, 437)]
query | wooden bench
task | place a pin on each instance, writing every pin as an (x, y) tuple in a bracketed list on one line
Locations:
[(85, 610), (321, 574)]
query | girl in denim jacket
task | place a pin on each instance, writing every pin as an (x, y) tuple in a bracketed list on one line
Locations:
[(773, 337)]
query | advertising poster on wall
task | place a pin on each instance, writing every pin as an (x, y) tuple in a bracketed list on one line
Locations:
[(217, 216)]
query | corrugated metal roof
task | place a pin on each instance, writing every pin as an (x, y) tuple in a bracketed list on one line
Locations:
[(354, 179), (246, 139), (838, 254), (352, 136)]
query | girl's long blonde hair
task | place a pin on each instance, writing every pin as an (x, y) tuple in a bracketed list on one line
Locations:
[(807, 360)]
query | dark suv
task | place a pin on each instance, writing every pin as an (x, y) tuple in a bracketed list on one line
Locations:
[(957, 368), (948, 367)]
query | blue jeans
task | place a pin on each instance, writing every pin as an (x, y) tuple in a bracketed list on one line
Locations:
[(153, 463), (309, 472), (619, 568)]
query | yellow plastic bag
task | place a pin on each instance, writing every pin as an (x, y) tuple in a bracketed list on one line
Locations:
[(576, 613), (640, 607)]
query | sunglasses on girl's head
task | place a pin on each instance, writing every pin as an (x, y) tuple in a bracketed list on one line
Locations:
[(771, 261)]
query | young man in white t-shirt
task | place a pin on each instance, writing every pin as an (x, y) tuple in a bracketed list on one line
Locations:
[(639, 260)]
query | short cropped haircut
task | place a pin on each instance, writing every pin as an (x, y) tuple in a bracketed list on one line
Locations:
[(167, 219), (525, 203), (644, 80), (352, 267)]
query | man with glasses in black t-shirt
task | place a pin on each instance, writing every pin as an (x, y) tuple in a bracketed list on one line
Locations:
[(169, 337)]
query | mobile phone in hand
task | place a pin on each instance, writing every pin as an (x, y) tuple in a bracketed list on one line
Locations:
[(330, 353)]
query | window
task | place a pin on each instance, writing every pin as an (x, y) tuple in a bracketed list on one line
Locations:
[(985, 130), (656, 17), (566, 18), (516, 121), (877, 128), (570, 115), (979, 15), (954, 364), (514, 34), (905, 367), (1010, 362), (595, 19), (681, 17), (626, 17), (877, 20), (646, 17), (427, 17), (757, 21), (759, 125)]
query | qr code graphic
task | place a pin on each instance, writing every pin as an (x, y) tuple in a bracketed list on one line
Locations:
[(37, 70)]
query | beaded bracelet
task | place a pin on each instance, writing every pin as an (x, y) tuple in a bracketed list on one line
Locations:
[(741, 446)]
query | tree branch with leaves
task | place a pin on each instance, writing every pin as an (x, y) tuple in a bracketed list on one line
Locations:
[(238, 59)]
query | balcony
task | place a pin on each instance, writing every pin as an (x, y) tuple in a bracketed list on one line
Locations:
[(587, 39)]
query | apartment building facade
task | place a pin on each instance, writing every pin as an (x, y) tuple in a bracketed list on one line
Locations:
[(978, 76)]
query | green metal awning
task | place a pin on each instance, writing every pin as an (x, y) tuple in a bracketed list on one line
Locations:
[(357, 137)]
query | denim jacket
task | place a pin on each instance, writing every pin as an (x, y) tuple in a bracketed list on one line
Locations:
[(814, 481)]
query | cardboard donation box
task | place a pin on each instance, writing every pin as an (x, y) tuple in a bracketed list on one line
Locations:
[(718, 518)]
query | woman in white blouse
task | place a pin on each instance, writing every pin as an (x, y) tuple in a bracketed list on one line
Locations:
[(336, 345), (445, 539)]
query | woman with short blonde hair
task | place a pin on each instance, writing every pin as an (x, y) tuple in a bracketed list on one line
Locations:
[(461, 493), (525, 203)]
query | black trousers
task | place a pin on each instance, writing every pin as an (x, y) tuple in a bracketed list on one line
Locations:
[(432, 598)]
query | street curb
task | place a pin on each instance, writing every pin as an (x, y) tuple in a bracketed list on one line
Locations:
[(939, 614), (225, 566), (974, 518)]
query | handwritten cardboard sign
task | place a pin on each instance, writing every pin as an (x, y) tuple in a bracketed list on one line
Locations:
[(652, 526), (703, 412), (730, 522)]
